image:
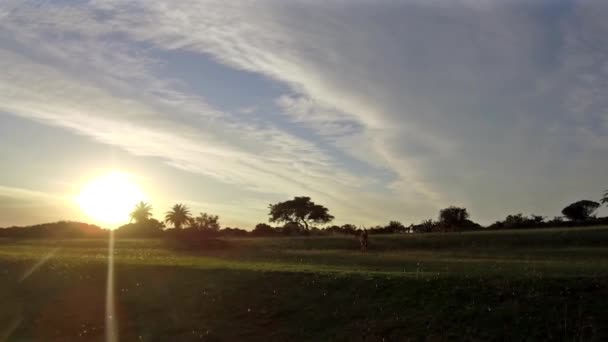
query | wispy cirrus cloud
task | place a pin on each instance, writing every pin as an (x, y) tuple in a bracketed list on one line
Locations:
[(439, 102), (130, 109), (25, 206)]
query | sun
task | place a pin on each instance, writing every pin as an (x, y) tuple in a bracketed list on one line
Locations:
[(110, 199)]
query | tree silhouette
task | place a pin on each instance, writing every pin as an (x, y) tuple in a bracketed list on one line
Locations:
[(292, 228), (453, 216), (604, 199), (395, 227), (206, 222), (141, 213), (148, 228), (178, 216), (428, 225), (581, 210), (300, 210), (263, 229), (537, 219)]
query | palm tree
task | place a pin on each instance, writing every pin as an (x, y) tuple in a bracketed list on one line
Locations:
[(142, 212), (178, 216), (604, 199)]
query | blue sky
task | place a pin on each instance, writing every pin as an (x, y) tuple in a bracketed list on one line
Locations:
[(380, 110)]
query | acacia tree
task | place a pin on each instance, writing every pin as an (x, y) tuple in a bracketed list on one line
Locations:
[(142, 212), (300, 210), (581, 210), (178, 216)]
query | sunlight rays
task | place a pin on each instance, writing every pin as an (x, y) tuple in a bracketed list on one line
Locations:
[(13, 324), (111, 321), (37, 265)]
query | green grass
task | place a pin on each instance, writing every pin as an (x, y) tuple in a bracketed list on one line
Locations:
[(501, 285)]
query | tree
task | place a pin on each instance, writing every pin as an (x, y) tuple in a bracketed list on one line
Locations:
[(426, 226), (349, 229), (556, 220), (233, 232), (344, 229), (300, 210), (148, 228), (453, 216), (206, 222), (515, 221), (520, 221), (604, 199), (61, 229), (292, 228), (263, 229), (395, 227), (178, 216), (141, 213), (581, 210), (537, 219)]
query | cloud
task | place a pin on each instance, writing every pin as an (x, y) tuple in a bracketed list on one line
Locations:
[(26, 194), (142, 129), (25, 207), (326, 121), (467, 102), (195, 137)]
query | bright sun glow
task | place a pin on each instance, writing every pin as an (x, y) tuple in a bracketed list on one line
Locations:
[(110, 198)]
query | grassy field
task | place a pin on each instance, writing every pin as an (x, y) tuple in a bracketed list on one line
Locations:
[(549, 284)]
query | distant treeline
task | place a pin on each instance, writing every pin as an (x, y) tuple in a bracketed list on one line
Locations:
[(298, 217), (155, 229), (520, 221), (62, 229)]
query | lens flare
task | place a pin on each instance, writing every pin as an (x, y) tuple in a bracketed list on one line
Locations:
[(111, 319)]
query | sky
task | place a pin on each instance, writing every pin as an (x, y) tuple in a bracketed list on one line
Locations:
[(379, 110)]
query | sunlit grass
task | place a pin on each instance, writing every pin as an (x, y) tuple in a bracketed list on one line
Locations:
[(464, 255), (542, 282)]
